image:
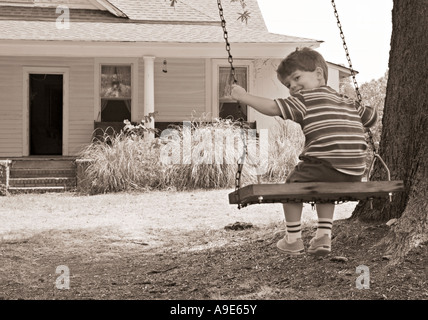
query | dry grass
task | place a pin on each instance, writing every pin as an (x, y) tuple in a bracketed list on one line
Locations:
[(200, 154), (147, 217), (110, 239)]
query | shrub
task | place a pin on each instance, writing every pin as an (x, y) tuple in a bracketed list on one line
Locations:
[(198, 155), (127, 162), (286, 141), (205, 160)]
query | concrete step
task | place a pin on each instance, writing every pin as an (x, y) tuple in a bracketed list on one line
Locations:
[(43, 182), (42, 163), (42, 173), (20, 190)]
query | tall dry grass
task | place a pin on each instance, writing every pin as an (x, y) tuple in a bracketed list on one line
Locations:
[(124, 163), (200, 154), (286, 142), (209, 154)]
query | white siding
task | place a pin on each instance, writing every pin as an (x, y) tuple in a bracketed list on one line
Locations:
[(267, 85), (180, 91), (10, 108), (81, 115), (81, 103), (333, 78)]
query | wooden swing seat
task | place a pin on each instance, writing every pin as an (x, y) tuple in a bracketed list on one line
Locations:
[(316, 192)]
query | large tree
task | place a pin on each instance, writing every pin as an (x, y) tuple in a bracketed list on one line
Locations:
[(404, 143)]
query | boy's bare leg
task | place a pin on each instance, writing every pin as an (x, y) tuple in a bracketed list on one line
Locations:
[(293, 216)]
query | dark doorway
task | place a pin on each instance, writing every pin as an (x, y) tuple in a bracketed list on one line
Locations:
[(46, 95)]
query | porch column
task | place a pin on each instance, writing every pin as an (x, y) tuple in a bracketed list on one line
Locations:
[(149, 90)]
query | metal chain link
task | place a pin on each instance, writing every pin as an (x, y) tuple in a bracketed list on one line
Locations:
[(232, 72), (348, 57), (226, 39), (369, 132)]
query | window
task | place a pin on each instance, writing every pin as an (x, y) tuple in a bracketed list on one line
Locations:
[(115, 93), (229, 108)]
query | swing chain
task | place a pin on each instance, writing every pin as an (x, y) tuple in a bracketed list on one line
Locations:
[(240, 165), (371, 142), (232, 72), (348, 57), (359, 97), (226, 39)]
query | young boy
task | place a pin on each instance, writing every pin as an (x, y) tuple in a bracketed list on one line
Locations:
[(335, 147)]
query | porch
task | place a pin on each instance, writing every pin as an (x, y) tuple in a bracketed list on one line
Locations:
[(37, 174)]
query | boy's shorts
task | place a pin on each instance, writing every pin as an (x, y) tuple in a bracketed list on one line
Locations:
[(311, 169)]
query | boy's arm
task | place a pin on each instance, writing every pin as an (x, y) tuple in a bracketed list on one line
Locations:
[(263, 105), (368, 115)]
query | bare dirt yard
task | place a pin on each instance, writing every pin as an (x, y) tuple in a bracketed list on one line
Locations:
[(188, 246)]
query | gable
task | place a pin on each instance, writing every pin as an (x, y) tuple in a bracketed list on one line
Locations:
[(203, 11), (155, 10)]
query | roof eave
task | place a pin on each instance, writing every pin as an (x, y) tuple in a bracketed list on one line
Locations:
[(42, 48)]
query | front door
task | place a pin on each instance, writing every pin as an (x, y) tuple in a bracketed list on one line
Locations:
[(46, 114)]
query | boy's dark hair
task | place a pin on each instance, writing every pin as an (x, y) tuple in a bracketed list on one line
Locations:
[(304, 59)]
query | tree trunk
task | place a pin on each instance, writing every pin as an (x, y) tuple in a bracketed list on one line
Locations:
[(404, 139)]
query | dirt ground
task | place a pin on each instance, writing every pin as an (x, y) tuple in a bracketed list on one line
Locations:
[(188, 246)]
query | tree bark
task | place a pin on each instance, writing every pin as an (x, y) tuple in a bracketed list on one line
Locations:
[(404, 139)]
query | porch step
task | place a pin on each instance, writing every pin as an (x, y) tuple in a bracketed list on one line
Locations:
[(40, 175), (42, 163), (19, 190), (43, 182), (35, 173)]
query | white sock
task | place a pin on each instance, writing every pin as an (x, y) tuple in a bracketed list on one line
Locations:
[(294, 231), (324, 227)]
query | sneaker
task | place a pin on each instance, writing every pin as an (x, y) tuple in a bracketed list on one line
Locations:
[(295, 248), (320, 246)]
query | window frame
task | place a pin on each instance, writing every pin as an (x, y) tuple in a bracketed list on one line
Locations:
[(221, 63), (133, 63)]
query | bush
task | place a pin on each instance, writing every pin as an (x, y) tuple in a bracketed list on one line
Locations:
[(206, 161), (198, 155), (126, 162), (286, 141)]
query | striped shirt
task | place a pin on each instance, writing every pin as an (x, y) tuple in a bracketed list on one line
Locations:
[(333, 126)]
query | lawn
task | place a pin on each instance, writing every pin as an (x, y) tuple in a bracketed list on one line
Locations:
[(174, 245), (151, 217)]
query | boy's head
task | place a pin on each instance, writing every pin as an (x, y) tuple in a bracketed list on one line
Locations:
[(305, 60)]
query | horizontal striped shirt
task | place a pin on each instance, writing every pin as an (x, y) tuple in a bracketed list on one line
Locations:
[(333, 125)]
